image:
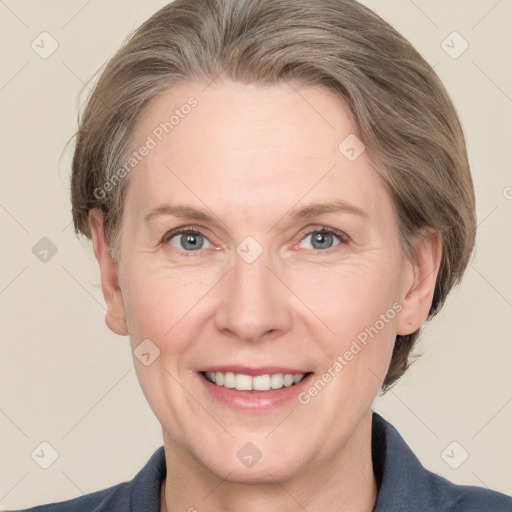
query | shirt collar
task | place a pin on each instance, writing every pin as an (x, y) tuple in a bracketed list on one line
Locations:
[(402, 481)]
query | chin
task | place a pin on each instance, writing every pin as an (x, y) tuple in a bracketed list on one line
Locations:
[(249, 465)]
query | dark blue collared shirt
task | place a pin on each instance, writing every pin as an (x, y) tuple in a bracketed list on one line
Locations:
[(404, 485)]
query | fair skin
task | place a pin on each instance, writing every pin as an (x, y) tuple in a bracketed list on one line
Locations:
[(251, 156)]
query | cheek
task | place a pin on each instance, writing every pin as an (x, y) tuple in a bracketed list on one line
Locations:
[(358, 303), (160, 302), (352, 295)]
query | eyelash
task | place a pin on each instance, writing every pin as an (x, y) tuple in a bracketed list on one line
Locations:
[(318, 229)]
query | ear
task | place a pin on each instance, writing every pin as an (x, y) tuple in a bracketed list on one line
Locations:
[(419, 285), (114, 316)]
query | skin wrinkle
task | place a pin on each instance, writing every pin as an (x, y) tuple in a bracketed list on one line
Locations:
[(228, 311)]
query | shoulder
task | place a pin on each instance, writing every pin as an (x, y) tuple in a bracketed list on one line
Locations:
[(112, 499), (466, 498), (142, 493), (405, 485)]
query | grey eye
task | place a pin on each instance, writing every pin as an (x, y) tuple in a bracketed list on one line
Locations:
[(189, 241), (321, 240)]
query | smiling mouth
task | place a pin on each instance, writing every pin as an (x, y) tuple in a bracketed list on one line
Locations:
[(243, 382)]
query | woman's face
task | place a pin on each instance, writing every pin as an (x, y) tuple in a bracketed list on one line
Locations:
[(257, 240)]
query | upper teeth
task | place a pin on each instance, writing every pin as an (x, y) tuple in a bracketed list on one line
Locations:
[(243, 382)]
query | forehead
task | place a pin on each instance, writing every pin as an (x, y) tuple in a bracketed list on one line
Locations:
[(240, 145)]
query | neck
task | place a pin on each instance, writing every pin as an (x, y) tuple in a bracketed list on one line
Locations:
[(343, 482)]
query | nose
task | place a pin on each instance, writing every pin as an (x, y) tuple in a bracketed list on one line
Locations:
[(255, 305)]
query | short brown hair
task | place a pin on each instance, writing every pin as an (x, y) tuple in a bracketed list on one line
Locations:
[(404, 114)]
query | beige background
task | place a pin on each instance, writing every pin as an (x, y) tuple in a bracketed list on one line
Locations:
[(67, 380)]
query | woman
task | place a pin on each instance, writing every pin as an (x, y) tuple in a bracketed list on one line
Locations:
[(279, 196)]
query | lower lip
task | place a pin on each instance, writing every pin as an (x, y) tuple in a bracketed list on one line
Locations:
[(254, 401)]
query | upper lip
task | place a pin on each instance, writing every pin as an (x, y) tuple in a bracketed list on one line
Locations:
[(254, 370)]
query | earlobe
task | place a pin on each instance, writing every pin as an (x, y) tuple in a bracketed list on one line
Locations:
[(419, 286), (109, 270)]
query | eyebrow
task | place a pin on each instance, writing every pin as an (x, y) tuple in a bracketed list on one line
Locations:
[(307, 211), (331, 207)]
